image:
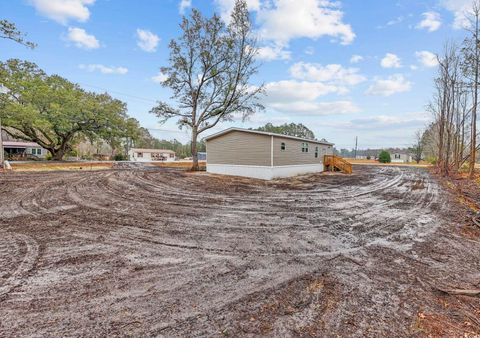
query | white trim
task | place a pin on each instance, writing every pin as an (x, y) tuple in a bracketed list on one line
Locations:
[(264, 172)]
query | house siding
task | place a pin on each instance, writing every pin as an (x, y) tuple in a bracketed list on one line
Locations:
[(239, 148), (293, 155)]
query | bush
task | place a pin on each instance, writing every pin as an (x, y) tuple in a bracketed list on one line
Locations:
[(119, 157), (384, 157)]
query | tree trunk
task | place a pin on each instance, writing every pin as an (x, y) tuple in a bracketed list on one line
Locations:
[(473, 142), (194, 149), (473, 136), (57, 154)]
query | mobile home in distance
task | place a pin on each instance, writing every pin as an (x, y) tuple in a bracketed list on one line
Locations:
[(264, 155), (401, 157), (151, 155)]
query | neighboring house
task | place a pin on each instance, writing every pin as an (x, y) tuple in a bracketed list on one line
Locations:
[(401, 157), (151, 155), (20, 150), (264, 155), (202, 156), (16, 149)]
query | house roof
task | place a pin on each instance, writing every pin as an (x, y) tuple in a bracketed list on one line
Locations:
[(20, 144), (226, 131), (142, 150)]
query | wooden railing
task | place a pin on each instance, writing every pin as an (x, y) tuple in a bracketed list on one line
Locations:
[(332, 162)]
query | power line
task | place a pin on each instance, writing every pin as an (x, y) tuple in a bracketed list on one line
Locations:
[(120, 93)]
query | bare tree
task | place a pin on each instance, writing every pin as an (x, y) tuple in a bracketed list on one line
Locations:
[(417, 147), (471, 52), (209, 72)]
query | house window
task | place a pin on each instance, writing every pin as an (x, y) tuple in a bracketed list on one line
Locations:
[(172, 155), (36, 151), (139, 154), (282, 146), (397, 156), (316, 152), (304, 147)]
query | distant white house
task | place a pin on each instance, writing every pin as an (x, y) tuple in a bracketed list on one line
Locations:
[(16, 149), (401, 157), (151, 155)]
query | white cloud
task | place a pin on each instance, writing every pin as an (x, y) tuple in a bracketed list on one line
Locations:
[(147, 40), (159, 78), (431, 21), (261, 118), (356, 59), (459, 8), (82, 39), (383, 122), (64, 10), (280, 21), (274, 52), (184, 4), (333, 73), (104, 69), (284, 20), (288, 90), (426, 58), (391, 61), (226, 7), (396, 21), (315, 108), (309, 50), (291, 96), (386, 87)]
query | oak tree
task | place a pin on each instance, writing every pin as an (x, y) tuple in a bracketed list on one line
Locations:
[(52, 111)]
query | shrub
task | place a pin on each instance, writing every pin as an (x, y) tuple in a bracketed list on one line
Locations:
[(119, 157), (384, 157)]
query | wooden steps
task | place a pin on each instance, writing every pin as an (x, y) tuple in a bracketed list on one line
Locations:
[(332, 163)]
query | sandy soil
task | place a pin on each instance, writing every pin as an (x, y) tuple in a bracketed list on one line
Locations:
[(161, 252)]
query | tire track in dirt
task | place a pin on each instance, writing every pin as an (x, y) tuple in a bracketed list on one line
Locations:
[(164, 246), (30, 256)]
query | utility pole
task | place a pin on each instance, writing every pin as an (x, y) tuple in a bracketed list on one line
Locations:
[(356, 145), (1, 146)]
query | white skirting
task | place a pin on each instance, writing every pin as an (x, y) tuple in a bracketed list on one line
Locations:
[(264, 172)]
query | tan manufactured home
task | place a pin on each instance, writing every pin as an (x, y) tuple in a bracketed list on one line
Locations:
[(263, 155)]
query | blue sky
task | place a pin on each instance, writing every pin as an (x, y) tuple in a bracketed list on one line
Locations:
[(343, 68)]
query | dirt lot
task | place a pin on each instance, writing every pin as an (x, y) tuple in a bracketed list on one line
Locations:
[(162, 252)]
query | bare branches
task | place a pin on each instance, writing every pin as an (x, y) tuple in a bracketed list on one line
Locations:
[(455, 102), (9, 31), (210, 67)]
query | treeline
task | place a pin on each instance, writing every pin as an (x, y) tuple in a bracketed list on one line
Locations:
[(373, 153), (291, 129), (452, 137)]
